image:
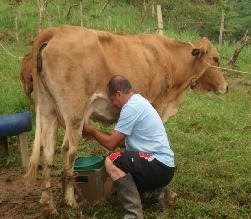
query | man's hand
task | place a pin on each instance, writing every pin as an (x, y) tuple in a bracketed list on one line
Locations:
[(88, 131), (109, 141)]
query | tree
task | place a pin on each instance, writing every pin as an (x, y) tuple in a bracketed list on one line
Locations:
[(15, 7), (242, 22), (245, 40), (41, 4)]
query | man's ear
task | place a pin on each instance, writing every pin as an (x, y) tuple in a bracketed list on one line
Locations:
[(118, 93), (198, 52)]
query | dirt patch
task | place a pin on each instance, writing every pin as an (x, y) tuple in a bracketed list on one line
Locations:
[(17, 201)]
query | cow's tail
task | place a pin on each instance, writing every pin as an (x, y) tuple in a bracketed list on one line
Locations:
[(39, 42), (31, 173)]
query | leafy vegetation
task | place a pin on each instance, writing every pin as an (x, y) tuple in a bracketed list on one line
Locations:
[(204, 16), (210, 135)]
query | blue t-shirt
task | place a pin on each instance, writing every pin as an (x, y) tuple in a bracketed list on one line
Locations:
[(144, 130)]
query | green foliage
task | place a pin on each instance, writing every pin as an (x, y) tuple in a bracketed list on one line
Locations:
[(243, 20), (205, 18), (186, 15)]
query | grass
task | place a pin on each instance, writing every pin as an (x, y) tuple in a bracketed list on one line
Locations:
[(210, 135), (213, 155)]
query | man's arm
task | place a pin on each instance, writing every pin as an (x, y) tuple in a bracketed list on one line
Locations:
[(109, 141)]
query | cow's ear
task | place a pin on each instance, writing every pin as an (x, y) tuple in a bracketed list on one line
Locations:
[(198, 52)]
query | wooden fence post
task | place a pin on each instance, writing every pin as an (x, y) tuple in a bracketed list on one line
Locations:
[(81, 11), (23, 145), (3, 147), (153, 10), (15, 8), (221, 28), (41, 4), (144, 4), (160, 20), (16, 22)]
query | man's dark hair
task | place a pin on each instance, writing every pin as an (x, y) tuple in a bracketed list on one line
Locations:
[(118, 83)]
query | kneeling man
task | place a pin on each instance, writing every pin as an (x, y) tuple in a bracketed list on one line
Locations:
[(147, 164)]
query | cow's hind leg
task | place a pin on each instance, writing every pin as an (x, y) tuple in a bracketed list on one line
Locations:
[(69, 147), (49, 125)]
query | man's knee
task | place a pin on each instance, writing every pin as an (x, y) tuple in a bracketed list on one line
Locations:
[(113, 171), (108, 163)]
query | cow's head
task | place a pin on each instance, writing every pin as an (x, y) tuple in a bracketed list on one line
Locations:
[(204, 48), (26, 75), (210, 78)]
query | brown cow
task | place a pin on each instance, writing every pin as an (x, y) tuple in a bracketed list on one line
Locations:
[(26, 76), (71, 67), (211, 80)]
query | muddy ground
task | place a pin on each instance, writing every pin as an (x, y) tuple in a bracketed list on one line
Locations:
[(19, 201)]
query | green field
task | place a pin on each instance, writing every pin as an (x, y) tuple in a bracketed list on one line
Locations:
[(210, 135)]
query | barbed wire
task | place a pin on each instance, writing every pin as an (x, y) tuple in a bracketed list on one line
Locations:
[(227, 69), (9, 53), (222, 68)]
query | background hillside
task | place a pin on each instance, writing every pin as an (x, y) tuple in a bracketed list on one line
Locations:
[(185, 20), (210, 135)]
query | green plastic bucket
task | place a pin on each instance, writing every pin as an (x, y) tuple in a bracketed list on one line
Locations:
[(88, 163)]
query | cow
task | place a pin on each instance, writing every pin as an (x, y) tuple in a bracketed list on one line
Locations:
[(211, 80), (71, 68), (26, 76)]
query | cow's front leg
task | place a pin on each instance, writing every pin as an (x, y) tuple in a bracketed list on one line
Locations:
[(69, 151)]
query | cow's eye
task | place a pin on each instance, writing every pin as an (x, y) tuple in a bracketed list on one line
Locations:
[(216, 59)]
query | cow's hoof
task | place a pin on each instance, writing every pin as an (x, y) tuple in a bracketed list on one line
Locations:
[(50, 210), (71, 203), (47, 205)]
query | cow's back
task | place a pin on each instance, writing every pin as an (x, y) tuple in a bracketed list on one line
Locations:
[(78, 57), (140, 58), (73, 59)]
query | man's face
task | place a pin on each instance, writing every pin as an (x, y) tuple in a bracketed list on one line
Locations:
[(116, 99)]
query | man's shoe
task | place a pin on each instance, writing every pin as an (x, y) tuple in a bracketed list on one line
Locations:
[(166, 198), (129, 196)]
